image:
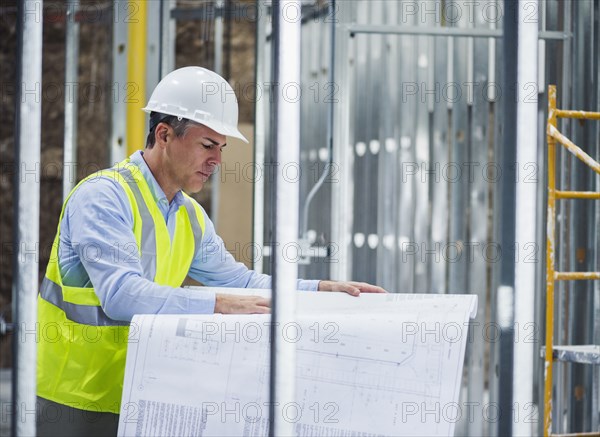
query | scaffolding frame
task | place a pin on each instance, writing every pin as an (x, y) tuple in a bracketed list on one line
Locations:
[(588, 354)]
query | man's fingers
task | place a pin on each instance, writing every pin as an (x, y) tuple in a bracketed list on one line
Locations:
[(346, 287), (255, 305), (350, 287), (368, 288), (261, 309), (232, 304), (263, 302), (353, 291)]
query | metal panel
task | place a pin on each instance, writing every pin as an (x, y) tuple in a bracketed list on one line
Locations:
[(308, 137), (580, 306), (369, 120), (389, 177), (440, 140), (506, 226), (217, 68), (342, 201), (327, 97), (445, 31), (286, 143), (548, 55), (478, 257), (364, 164), (28, 115), (496, 111), (71, 100), (331, 100), (153, 47), (167, 37), (525, 214), (118, 151), (564, 21), (457, 177), (318, 101), (260, 129), (391, 134), (421, 153), (407, 68)]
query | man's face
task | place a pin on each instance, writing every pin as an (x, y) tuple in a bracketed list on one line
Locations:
[(191, 158)]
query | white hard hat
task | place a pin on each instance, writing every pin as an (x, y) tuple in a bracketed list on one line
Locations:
[(200, 95)]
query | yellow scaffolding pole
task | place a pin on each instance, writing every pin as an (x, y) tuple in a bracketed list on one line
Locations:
[(564, 113), (577, 194), (136, 75), (550, 263), (587, 159), (554, 136)]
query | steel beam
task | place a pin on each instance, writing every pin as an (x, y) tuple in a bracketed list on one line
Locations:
[(215, 195), (71, 100), (28, 117), (525, 220), (118, 132), (286, 142), (354, 29), (505, 221), (341, 192), (260, 127)]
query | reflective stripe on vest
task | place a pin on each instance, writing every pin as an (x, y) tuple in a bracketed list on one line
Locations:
[(191, 210), (148, 236), (85, 314)]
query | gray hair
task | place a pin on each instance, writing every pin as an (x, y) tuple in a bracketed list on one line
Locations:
[(180, 127)]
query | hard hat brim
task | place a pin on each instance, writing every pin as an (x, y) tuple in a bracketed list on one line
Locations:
[(215, 125)]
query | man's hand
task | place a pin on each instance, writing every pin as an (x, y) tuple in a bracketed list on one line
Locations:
[(232, 304), (352, 288)]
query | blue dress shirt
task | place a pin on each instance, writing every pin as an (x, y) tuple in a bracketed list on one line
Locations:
[(98, 248)]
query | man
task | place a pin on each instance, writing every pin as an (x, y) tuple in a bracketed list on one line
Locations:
[(126, 240)]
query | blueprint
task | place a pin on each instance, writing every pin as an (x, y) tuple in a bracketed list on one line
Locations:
[(372, 365)]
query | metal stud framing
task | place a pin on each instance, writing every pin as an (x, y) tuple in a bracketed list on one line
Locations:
[(28, 117), (416, 201), (415, 188)]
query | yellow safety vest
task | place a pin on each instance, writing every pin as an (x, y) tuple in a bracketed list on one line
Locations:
[(81, 351)]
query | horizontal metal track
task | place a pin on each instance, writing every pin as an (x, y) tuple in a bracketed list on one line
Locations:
[(443, 31)]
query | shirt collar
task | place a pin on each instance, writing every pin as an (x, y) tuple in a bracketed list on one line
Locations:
[(155, 189)]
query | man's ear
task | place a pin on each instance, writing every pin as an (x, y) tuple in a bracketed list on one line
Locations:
[(162, 133)]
